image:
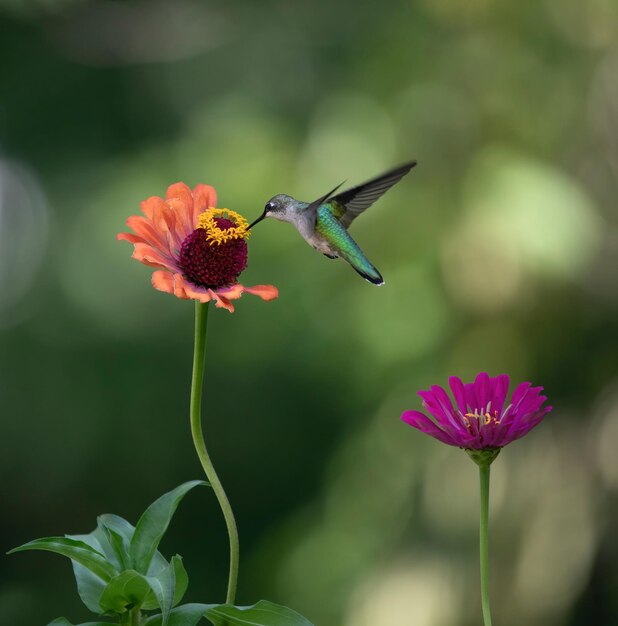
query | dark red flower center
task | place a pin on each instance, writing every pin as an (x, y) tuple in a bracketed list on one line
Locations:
[(210, 264)]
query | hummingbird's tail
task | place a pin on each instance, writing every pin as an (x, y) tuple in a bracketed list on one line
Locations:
[(341, 244), (355, 257), (370, 274)]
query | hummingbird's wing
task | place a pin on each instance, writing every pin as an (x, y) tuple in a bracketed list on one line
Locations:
[(349, 204), (316, 204)]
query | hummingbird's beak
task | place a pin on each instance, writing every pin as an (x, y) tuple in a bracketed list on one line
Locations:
[(259, 219)]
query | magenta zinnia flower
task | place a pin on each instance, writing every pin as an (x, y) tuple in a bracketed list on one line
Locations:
[(481, 418)]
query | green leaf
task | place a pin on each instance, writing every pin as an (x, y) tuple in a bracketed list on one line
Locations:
[(163, 586), (118, 533), (153, 523), (182, 579), (157, 564), (118, 524), (130, 588), (263, 613), (182, 582), (89, 585), (124, 591), (185, 615), (77, 551), (121, 533)]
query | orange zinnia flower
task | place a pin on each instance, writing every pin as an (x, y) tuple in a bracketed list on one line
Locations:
[(200, 250)]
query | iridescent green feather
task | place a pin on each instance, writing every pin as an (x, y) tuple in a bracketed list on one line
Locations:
[(336, 208), (337, 236)]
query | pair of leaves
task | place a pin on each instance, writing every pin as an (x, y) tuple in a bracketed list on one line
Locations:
[(130, 588), (263, 613), (118, 566)]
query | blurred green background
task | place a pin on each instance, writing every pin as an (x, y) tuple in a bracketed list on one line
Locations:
[(500, 254)]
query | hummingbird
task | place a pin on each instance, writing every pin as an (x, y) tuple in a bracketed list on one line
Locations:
[(324, 223)]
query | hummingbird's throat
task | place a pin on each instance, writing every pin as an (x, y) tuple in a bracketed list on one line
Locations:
[(215, 253)]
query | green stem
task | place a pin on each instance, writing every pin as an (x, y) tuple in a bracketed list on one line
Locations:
[(201, 320), (484, 543), (131, 618)]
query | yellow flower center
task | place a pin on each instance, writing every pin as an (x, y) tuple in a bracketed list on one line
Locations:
[(483, 419), (211, 219)]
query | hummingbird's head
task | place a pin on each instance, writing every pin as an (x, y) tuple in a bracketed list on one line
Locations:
[(277, 207)]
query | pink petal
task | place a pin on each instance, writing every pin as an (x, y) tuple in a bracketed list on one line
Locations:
[(532, 402), (519, 430), (439, 411), (430, 402), (482, 390), (424, 424), (519, 394), (500, 390), (471, 399), (459, 393), (441, 397)]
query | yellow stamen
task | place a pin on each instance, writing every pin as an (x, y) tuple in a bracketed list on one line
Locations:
[(487, 418), (208, 222)]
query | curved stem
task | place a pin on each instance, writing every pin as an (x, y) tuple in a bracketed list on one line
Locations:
[(136, 617), (484, 543), (131, 618), (201, 320)]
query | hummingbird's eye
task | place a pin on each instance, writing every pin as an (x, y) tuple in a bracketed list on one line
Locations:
[(269, 207)]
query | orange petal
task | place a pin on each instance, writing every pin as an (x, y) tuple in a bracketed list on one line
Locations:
[(221, 301), (180, 200), (181, 191), (164, 281), (130, 237), (148, 231), (195, 293), (152, 206), (231, 293), (175, 229), (150, 256), (204, 197), (266, 292), (176, 285), (179, 197)]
